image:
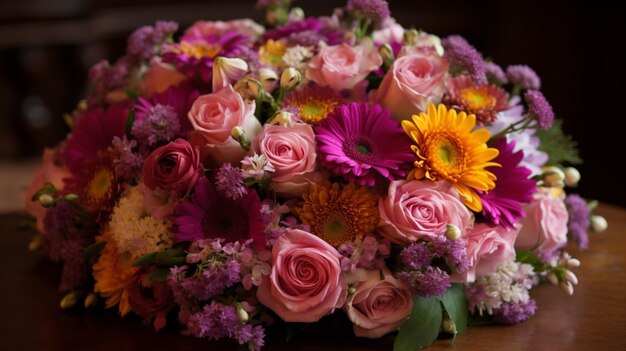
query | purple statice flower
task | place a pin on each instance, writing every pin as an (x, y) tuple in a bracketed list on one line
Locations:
[(523, 76), (311, 24), (195, 53), (362, 143), (513, 313), (216, 321), (464, 57), (229, 181), (539, 108), (453, 252), (211, 280), (433, 281), (128, 164), (65, 238), (144, 42), (578, 220), (180, 98), (209, 214), (154, 124), (305, 38), (495, 74), (503, 204), (376, 11), (416, 256)]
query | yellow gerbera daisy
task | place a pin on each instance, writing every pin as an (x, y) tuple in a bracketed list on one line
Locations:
[(448, 148), (339, 214), (113, 273)]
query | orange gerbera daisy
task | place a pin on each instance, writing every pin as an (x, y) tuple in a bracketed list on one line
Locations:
[(113, 273), (339, 213), (448, 147)]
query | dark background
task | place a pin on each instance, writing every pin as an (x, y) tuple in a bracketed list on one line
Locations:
[(47, 46)]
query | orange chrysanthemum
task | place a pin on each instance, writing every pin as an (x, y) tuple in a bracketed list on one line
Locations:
[(339, 213), (448, 147), (113, 273)]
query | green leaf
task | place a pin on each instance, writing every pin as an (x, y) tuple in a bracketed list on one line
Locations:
[(422, 327), (561, 148), (94, 249), (159, 274), (130, 120), (455, 303), (169, 257)]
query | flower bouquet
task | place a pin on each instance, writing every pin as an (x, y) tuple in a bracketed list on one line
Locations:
[(231, 176)]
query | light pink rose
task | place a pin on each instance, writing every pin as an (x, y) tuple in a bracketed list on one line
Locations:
[(159, 77), (244, 26), (343, 66), (213, 116), (487, 248), (391, 32), (291, 151), (415, 209), (48, 172), (174, 167), (412, 83), (306, 281), (378, 306), (545, 226)]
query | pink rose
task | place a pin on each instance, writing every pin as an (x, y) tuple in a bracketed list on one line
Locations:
[(415, 209), (487, 248), (213, 116), (306, 281), (244, 26), (159, 77), (291, 150), (343, 66), (412, 83), (48, 172), (545, 225), (174, 167), (378, 306)]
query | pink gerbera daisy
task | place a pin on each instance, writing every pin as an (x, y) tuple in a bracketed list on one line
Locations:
[(503, 204), (361, 142), (482, 100), (211, 214)]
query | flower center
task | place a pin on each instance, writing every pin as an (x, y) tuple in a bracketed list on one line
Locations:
[(312, 111), (359, 149), (197, 49), (100, 184), (447, 155), (477, 99), (226, 221), (335, 228)]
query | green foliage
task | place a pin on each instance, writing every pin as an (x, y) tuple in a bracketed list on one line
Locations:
[(422, 327), (455, 304), (130, 120), (94, 249), (561, 148), (169, 257)]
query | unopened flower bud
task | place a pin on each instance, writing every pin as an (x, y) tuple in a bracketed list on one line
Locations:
[(240, 136), (69, 300), (296, 14), (351, 289), (227, 70), (71, 197), (46, 200), (572, 176), (452, 232), (552, 278), (410, 36), (447, 324), (268, 78), (242, 314), (91, 300), (386, 52), (349, 38), (249, 88), (35, 243), (567, 287), (571, 277), (290, 78), (553, 177), (598, 223), (282, 118), (573, 263)]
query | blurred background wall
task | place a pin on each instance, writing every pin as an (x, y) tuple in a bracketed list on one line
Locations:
[(577, 47)]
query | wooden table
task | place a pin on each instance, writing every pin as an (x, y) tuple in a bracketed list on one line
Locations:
[(591, 319)]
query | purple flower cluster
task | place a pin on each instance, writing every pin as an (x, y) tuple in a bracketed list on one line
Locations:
[(523, 76), (304, 32), (229, 181), (155, 124), (129, 164), (424, 274), (216, 321), (578, 220), (210, 280), (513, 313), (495, 74), (464, 57), (539, 108), (144, 42), (376, 11), (369, 253)]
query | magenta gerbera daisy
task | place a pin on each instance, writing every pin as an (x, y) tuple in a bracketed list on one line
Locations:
[(503, 204), (94, 132), (362, 142), (211, 214), (195, 53)]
